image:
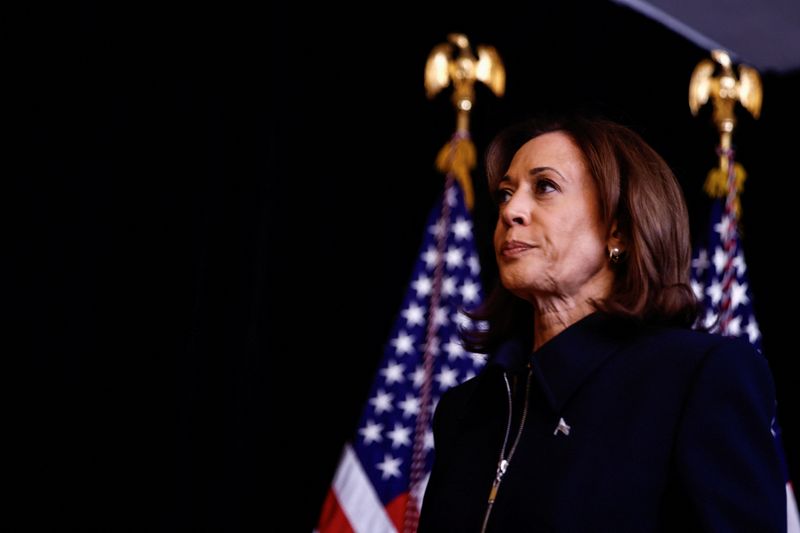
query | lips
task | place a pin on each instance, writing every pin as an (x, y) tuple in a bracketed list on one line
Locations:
[(513, 248)]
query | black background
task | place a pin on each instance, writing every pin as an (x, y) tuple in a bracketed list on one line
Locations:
[(214, 213)]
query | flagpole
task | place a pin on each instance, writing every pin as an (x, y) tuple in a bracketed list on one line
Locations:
[(448, 62), (382, 472), (717, 80)]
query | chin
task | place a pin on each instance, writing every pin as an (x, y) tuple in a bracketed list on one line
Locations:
[(518, 287)]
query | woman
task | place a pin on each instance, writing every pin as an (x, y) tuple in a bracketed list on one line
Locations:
[(600, 410)]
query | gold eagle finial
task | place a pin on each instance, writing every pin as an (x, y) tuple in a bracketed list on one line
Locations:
[(454, 61), (717, 80), (725, 89)]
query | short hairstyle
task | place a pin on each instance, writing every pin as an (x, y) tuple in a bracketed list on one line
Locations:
[(637, 189)]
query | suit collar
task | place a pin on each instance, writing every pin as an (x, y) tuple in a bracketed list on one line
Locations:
[(567, 360), (560, 366)]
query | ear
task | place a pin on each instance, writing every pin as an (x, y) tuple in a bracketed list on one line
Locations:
[(615, 238)]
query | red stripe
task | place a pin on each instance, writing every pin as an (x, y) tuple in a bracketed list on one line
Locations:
[(396, 509), (332, 519)]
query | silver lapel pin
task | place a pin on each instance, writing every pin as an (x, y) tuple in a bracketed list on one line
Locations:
[(563, 427)]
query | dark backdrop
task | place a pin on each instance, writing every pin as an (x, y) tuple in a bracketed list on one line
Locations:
[(215, 211)]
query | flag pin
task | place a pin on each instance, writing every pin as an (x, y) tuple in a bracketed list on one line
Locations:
[(563, 427)]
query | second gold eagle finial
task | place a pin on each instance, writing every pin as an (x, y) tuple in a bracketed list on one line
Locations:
[(716, 79), (725, 89), (454, 62)]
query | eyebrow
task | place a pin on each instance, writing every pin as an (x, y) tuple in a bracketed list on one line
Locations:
[(538, 170), (535, 171)]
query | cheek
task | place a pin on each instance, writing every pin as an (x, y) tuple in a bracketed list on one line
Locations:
[(576, 243), (585, 251)]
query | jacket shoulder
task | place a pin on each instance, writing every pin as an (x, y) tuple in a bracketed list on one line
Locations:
[(455, 399), (692, 344)]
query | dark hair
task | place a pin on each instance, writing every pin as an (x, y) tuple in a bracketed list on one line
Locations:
[(638, 190)]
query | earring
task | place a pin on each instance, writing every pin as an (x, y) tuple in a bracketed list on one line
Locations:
[(614, 255)]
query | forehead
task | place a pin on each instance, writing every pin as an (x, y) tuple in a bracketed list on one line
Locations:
[(554, 149)]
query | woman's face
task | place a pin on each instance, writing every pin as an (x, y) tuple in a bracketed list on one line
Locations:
[(550, 241)]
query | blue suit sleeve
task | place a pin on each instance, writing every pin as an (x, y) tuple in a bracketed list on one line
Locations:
[(726, 456)]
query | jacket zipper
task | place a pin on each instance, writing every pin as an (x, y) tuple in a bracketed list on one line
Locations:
[(503, 462)]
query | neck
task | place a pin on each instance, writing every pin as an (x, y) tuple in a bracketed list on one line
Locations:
[(556, 316), (553, 313)]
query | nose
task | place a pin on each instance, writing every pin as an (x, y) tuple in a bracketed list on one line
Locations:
[(516, 211)]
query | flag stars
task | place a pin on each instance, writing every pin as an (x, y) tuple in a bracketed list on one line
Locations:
[(461, 320), (446, 377), (752, 330), (710, 319), (454, 257), (719, 259), (403, 343), (738, 262), (422, 286), (386, 432), (400, 436), (474, 265), (714, 291), (469, 292), (721, 227), (414, 315), (382, 402), (734, 326), (739, 294), (428, 439), (418, 377), (410, 406), (462, 229), (393, 373), (478, 359), (453, 348), (433, 347), (431, 256), (451, 197), (371, 432), (449, 286), (701, 263), (440, 316), (725, 227), (437, 229), (390, 467), (697, 289)]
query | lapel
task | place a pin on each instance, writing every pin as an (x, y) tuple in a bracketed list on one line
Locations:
[(560, 367)]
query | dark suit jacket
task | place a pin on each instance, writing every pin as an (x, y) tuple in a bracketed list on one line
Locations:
[(670, 430)]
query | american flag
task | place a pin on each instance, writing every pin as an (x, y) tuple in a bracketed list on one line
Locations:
[(710, 266), (719, 281), (384, 469)]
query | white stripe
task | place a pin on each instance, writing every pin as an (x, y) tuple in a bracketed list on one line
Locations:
[(421, 491), (358, 498), (792, 517)]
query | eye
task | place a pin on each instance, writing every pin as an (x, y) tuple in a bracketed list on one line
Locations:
[(502, 196), (545, 186)]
